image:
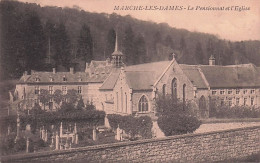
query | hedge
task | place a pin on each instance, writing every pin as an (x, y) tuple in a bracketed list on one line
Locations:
[(133, 126)]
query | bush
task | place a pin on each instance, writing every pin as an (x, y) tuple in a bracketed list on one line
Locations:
[(175, 118), (237, 112), (20, 145), (225, 111), (132, 125)]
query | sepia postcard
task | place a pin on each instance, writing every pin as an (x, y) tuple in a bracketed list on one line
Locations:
[(129, 81)]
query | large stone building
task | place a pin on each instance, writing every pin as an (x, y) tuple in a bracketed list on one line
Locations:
[(115, 88)]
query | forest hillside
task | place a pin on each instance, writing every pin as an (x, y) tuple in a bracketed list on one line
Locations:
[(39, 38)]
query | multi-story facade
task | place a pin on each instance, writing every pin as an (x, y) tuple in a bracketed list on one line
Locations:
[(116, 88)]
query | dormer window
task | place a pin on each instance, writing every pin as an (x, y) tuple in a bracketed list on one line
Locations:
[(64, 78), (37, 79)]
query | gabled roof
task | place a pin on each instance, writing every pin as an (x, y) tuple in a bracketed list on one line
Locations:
[(194, 75), (138, 77), (244, 75), (232, 76), (97, 72), (110, 82), (140, 80)]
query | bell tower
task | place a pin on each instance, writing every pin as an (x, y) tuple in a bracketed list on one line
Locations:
[(211, 60), (117, 56)]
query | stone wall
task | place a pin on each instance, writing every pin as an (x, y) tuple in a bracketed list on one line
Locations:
[(206, 147)]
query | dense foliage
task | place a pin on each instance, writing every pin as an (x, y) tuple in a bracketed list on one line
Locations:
[(174, 117), (225, 111), (73, 35), (134, 126)]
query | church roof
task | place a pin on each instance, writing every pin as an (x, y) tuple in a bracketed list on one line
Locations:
[(117, 53), (140, 80), (138, 77), (110, 82), (193, 74)]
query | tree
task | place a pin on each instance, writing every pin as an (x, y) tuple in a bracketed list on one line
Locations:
[(63, 46), (182, 44), (85, 44), (72, 96), (11, 41), (50, 33), (168, 42), (57, 96), (171, 112), (199, 53), (80, 105), (128, 46), (140, 53), (110, 43), (44, 97), (33, 39)]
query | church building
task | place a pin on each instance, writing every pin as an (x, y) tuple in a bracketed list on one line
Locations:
[(118, 89)]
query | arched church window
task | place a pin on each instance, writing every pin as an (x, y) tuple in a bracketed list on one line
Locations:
[(174, 88), (125, 103), (184, 93), (143, 104), (164, 90)]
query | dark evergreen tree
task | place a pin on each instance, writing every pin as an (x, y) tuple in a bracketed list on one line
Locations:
[(140, 53), (199, 53), (10, 44), (157, 39), (128, 46), (85, 44), (182, 44), (33, 41), (168, 42), (110, 43), (50, 33), (62, 46)]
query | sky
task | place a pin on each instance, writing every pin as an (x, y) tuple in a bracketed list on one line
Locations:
[(231, 25)]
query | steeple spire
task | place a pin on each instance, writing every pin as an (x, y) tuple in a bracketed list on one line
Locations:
[(117, 56), (116, 44)]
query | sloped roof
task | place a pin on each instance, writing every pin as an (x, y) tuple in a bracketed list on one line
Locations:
[(193, 74), (140, 80), (110, 82), (156, 67), (46, 77), (98, 71), (231, 76), (138, 77), (244, 75)]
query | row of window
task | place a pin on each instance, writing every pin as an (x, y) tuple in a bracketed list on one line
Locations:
[(50, 89), (237, 102), (37, 79), (230, 91)]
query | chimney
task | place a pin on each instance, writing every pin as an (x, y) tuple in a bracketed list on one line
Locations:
[(25, 73), (72, 70), (86, 69), (108, 61), (212, 60), (54, 70)]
